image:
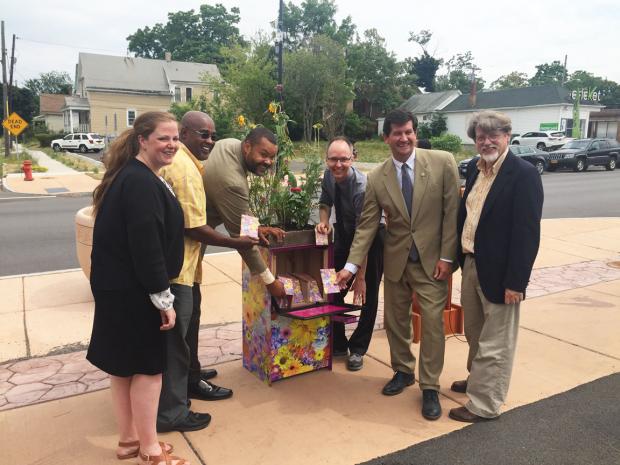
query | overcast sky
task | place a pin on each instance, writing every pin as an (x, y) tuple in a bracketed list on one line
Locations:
[(502, 36)]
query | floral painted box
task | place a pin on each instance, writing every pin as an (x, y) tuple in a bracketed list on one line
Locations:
[(277, 345)]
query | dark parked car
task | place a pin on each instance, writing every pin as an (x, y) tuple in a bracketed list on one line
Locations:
[(536, 157), (578, 154)]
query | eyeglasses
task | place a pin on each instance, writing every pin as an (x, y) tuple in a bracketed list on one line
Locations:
[(335, 161), (206, 134)]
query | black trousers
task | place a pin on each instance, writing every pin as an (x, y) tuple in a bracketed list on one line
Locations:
[(192, 337), (360, 339)]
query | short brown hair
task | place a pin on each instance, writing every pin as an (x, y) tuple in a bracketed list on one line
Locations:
[(489, 121)]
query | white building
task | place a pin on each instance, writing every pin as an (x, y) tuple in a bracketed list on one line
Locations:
[(530, 109)]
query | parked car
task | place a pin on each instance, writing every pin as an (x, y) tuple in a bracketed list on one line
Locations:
[(82, 141), (542, 140), (536, 157), (578, 154)]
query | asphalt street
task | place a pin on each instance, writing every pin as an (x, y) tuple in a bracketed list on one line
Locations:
[(37, 234)]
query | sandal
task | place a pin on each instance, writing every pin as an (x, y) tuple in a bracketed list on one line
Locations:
[(163, 459), (130, 455)]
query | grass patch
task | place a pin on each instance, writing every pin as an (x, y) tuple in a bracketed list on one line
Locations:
[(368, 151), (13, 164), (70, 160)]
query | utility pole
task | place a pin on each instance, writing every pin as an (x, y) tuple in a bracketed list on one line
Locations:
[(565, 70), (280, 52), (11, 90), (5, 101)]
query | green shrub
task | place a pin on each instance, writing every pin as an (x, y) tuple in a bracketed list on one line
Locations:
[(448, 142), (424, 132), (46, 139)]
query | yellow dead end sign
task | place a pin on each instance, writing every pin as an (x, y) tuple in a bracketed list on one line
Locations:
[(15, 124)]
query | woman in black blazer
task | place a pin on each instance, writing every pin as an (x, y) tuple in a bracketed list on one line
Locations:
[(137, 249)]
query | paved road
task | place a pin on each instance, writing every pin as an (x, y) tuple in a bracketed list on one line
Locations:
[(37, 234)]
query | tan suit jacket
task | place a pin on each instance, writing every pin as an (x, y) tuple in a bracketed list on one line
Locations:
[(227, 191), (433, 222)]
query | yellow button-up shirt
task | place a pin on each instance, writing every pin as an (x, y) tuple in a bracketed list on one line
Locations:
[(185, 177), (475, 201)]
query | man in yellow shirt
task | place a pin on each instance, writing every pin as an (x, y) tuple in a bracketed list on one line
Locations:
[(184, 176)]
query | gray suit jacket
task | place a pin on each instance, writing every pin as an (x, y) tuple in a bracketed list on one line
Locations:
[(432, 225)]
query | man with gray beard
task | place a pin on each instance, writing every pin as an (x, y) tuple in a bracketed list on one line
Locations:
[(499, 234)]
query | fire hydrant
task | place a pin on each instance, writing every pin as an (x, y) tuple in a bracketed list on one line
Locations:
[(27, 169)]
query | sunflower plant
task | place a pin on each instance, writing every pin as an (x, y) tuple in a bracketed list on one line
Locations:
[(279, 198)]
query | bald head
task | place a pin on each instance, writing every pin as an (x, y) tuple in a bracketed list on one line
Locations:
[(198, 133)]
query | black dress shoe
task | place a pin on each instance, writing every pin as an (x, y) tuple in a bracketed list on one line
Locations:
[(193, 422), (459, 386), (208, 373), (431, 408), (464, 415), (399, 381), (205, 390)]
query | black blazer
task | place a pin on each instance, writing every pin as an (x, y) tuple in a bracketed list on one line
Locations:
[(138, 234), (508, 233)]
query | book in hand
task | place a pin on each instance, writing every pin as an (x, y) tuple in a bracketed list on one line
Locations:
[(330, 283), (309, 287), (321, 238), (249, 226)]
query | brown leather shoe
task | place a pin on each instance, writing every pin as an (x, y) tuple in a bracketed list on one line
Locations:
[(464, 415), (459, 386)]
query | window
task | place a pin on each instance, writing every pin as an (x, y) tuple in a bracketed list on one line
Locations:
[(188, 94), (84, 137), (69, 137), (527, 134), (177, 94), (131, 117)]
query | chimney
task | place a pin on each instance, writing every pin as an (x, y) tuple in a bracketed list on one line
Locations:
[(472, 92), (168, 56)]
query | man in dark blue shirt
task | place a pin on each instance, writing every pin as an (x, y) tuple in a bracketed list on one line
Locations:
[(343, 189)]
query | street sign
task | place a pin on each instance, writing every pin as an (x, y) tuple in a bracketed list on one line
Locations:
[(15, 124)]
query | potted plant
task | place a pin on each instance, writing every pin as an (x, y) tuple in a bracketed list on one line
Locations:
[(280, 198)]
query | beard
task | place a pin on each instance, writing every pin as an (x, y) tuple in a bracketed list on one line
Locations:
[(491, 157)]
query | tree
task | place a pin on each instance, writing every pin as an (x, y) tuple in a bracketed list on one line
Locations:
[(375, 74), (549, 73), (425, 66), (510, 81), (460, 69), (54, 82), (315, 17), (250, 78), (315, 83), (190, 36), (25, 103)]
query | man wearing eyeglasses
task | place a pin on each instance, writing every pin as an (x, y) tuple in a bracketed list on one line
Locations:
[(343, 190), (183, 377)]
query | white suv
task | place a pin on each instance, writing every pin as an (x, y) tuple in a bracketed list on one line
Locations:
[(542, 140), (82, 141)]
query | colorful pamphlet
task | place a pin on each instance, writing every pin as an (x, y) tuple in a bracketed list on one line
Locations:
[(309, 287), (320, 238), (287, 282), (249, 226), (330, 283)]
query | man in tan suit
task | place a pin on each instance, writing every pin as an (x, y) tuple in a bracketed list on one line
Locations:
[(419, 192), (228, 193)]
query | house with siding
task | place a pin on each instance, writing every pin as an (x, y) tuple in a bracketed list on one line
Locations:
[(111, 91), (424, 105), (50, 112), (536, 108)]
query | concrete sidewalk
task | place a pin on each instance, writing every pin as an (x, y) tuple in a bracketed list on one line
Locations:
[(57, 180), (569, 336)]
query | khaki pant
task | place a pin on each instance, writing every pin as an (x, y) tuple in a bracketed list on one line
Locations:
[(432, 297), (491, 332)]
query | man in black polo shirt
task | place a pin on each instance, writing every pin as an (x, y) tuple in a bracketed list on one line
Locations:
[(343, 188)]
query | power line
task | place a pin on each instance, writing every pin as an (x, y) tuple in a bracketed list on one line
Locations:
[(66, 45)]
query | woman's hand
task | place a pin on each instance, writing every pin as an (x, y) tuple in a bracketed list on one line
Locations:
[(168, 318)]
